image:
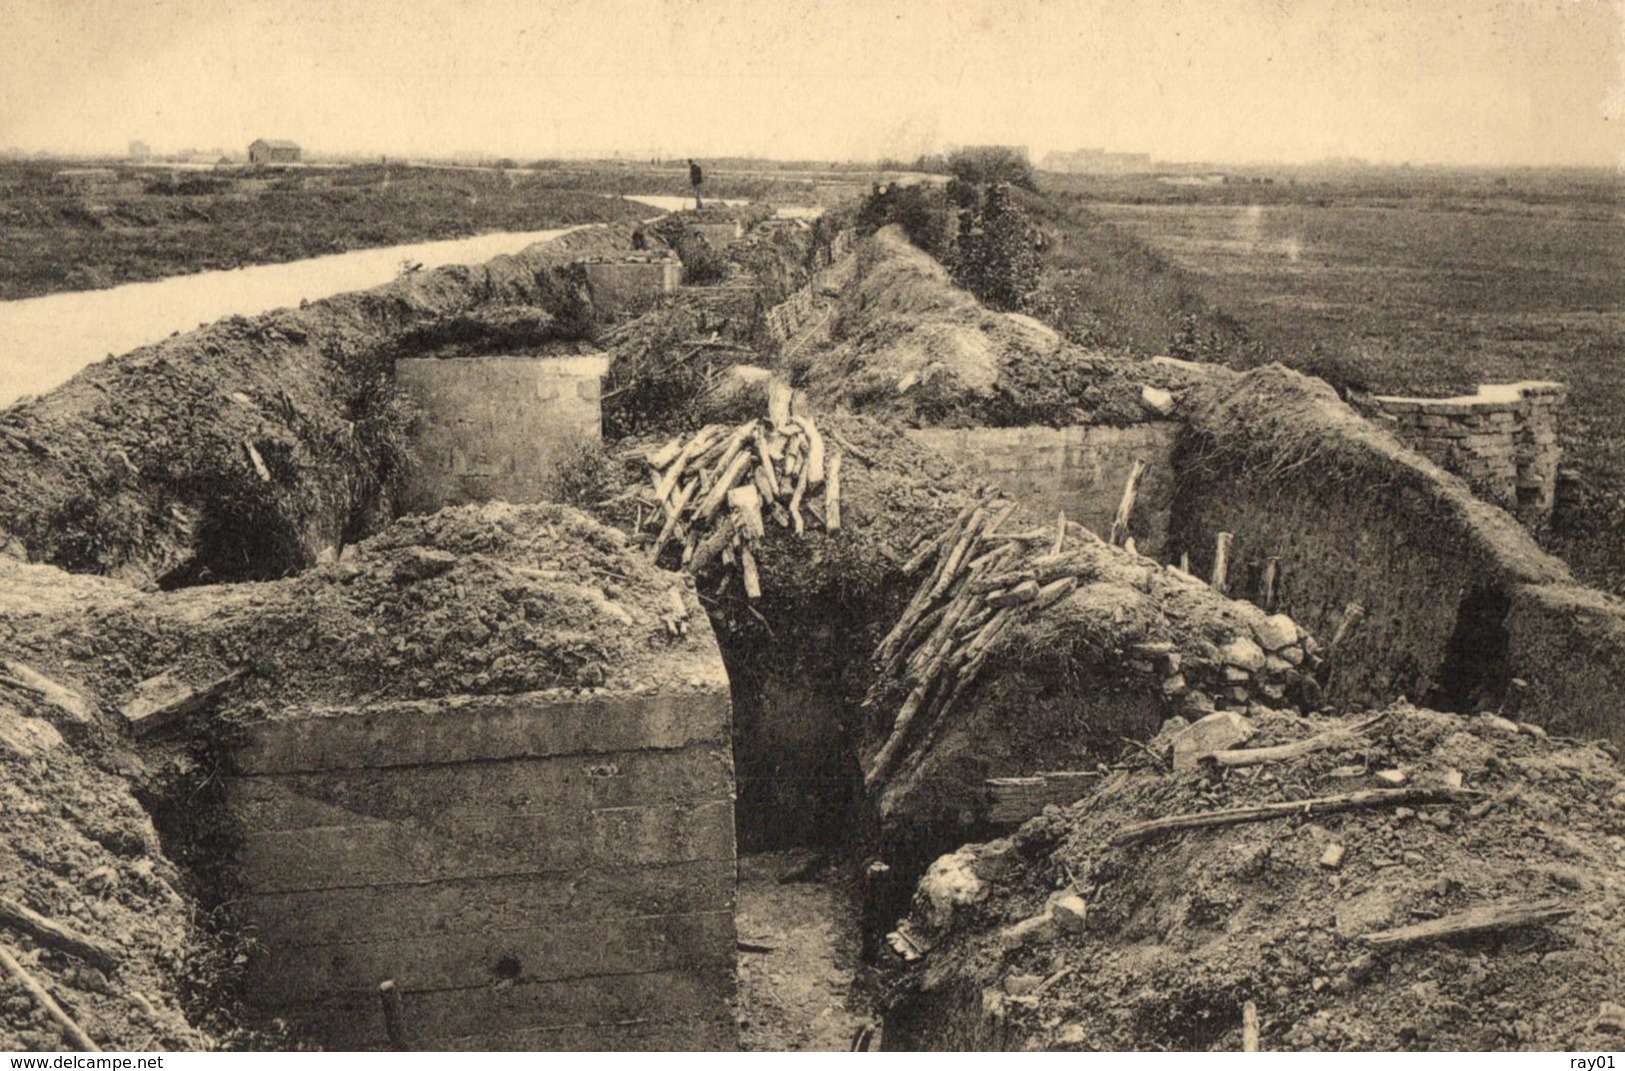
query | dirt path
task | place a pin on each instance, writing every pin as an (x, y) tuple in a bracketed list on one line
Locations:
[(798, 995)]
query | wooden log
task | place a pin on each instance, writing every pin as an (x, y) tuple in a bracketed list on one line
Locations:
[(846, 445), (1125, 506), (815, 449), (719, 491), (1060, 534), (735, 444), (778, 403), (70, 1029), (765, 485), (163, 700), (745, 502), (1024, 592), (922, 554), (712, 545), (1258, 756), (1221, 563), (991, 560), (394, 1021), (998, 581), (63, 699), (1029, 535), (957, 556), (747, 572), (796, 521), (702, 441), (1266, 596), (832, 492), (765, 471), (257, 461), (1013, 800), (1055, 591), (674, 516), (1142, 831), (1130, 546), (921, 602), (659, 459), (1352, 614), (1185, 564), (51, 934), (1249, 1027), (1490, 918)]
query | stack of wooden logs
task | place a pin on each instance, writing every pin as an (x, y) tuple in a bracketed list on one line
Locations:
[(757, 470), (986, 577)]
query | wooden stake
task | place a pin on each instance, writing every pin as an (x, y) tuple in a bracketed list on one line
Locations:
[(1060, 534), (1125, 507), (97, 953), (394, 1022), (1485, 919), (1351, 617), (1221, 564), (1249, 1027), (719, 491), (745, 502), (747, 570), (1258, 756), (1140, 831), (71, 1030), (832, 491), (1185, 564), (1266, 598), (674, 515)]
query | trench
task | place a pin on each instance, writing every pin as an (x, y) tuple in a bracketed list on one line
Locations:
[(791, 941)]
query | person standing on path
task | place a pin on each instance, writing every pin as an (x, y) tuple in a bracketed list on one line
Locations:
[(695, 177)]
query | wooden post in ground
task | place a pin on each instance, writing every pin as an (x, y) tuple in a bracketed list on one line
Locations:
[(1125, 507), (1221, 563), (1266, 597), (876, 883), (394, 1025)]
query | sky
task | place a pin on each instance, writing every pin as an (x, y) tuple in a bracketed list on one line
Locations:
[(1464, 82)]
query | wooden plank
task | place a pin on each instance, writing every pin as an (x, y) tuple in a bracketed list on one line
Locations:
[(580, 783), (462, 846), (330, 918), (566, 948), (484, 727), (1013, 800), (1140, 831)]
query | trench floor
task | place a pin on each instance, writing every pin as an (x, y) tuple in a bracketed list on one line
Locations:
[(799, 956)]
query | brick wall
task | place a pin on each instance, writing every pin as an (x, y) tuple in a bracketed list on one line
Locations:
[(1080, 470), (533, 872), (1502, 441), (493, 427)]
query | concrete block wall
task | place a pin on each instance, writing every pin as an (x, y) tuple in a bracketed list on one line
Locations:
[(719, 235), (494, 427), (1081, 470), (533, 872), (1502, 441), (632, 284)]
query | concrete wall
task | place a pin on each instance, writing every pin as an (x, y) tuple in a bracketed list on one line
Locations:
[(1502, 441), (632, 285), (533, 872), (494, 427), (719, 236), (1081, 470)]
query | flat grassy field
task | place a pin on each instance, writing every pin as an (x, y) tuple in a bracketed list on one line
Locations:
[(150, 223), (1381, 281)]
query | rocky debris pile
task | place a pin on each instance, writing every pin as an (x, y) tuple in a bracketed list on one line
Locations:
[(758, 470), (910, 344), (95, 935), (1413, 880)]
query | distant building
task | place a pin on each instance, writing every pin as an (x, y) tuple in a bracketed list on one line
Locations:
[(1017, 152), (1097, 162), (140, 150), (273, 151)]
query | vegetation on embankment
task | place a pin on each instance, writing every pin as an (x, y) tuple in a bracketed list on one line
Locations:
[(152, 223)]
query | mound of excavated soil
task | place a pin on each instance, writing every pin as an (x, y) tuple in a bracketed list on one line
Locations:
[(1166, 938), (78, 849), (476, 600), (912, 345)]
